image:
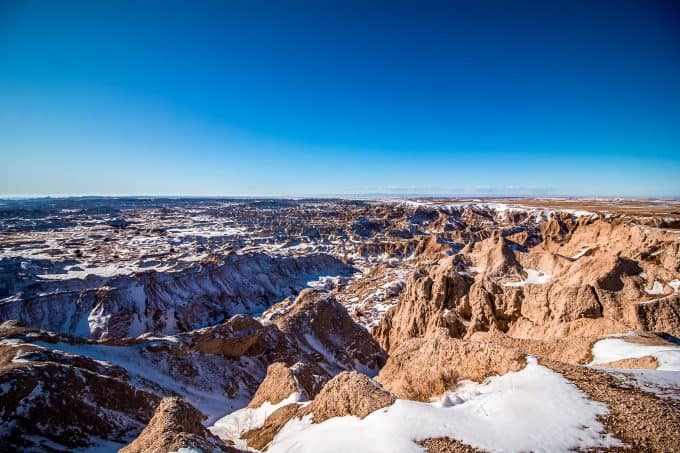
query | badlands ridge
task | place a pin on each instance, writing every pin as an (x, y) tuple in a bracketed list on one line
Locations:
[(158, 325)]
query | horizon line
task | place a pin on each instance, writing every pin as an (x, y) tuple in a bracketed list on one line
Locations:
[(358, 196)]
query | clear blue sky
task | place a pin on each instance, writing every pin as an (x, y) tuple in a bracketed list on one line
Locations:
[(321, 97)]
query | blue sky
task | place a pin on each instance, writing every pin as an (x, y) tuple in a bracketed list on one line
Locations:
[(320, 97)]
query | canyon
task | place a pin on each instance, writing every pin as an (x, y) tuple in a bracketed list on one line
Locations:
[(372, 325)]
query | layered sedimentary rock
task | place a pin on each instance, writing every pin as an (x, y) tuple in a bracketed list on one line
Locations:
[(49, 397), (283, 311), (585, 279), (167, 302), (214, 368)]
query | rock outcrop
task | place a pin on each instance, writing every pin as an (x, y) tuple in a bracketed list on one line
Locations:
[(176, 425), (317, 322), (49, 397), (430, 291), (426, 367), (451, 290), (660, 315), (348, 393), (167, 302), (259, 438), (281, 381), (586, 278), (228, 362)]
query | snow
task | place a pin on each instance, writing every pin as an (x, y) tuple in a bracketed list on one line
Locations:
[(393, 288), (612, 349), (207, 231), (664, 381), (326, 282), (109, 270), (534, 277), (580, 213), (675, 284), (369, 371), (96, 320), (656, 289), (534, 409), (317, 346), (232, 426), (211, 401), (581, 252)]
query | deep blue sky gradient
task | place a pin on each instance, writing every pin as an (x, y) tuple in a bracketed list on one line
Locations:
[(320, 97)]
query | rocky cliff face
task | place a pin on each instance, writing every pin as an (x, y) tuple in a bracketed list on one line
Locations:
[(425, 367), (589, 278), (50, 397), (167, 302), (217, 369)]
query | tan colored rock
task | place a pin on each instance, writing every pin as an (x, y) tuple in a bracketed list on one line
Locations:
[(571, 303), (429, 291), (317, 322), (241, 335), (497, 258), (570, 348), (660, 315), (176, 424), (348, 393), (581, 328), (281, 381), (647, 362), (422, 368)]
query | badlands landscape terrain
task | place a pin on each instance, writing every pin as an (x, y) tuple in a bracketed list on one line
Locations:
[(334, 325)]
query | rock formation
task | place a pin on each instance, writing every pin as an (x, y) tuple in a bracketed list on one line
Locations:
[(153, 319), (426, 367), (176, 425)]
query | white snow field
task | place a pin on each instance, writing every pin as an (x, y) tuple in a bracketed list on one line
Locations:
[(534, 409), (616, 348), (663, 382)]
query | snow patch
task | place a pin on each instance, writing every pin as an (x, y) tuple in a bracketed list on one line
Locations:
[(656, 289), (534, 409), (232, 426), (581, 252), (613, 349), (663, 382), (534, 277)]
